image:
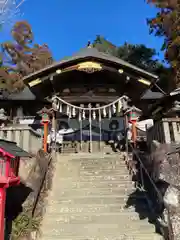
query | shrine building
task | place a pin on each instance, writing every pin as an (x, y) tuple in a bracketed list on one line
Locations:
[(89, 93)]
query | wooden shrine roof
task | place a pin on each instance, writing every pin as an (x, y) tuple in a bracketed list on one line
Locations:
[(89, 53), (13, 149), (150, 95), (26, 94), (46, 82), (162, 105)]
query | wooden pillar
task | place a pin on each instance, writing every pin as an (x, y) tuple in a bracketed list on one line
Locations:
[(134, 133), (2, 210), (45, 136), (45, 122)]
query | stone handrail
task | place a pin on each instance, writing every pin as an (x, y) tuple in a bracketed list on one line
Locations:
[(165, 131)]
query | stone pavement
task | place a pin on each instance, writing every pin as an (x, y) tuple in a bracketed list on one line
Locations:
[(89, 201)]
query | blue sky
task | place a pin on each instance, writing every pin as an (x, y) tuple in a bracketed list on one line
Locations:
[(66, 26)]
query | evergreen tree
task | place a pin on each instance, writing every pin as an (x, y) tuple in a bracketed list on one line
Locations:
[(167, 24)]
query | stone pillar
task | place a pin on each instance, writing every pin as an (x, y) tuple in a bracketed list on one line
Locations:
[(175, 131), (26, 140), (167, 135), (1, 133), (10, 135), (18, 137)]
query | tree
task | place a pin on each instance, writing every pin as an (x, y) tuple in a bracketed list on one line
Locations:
[(103, 45), (21, 57), (167, 24), (140, 56)]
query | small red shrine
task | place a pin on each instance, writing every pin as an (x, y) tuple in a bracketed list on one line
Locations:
[(10, 155)]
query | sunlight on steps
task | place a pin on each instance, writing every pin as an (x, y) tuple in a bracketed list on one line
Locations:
[(93, 198)]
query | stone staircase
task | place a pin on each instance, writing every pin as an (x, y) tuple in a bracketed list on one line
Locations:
[(93, 198), (74, 147)]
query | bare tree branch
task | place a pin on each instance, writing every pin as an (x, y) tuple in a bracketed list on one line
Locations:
[(9, 10)]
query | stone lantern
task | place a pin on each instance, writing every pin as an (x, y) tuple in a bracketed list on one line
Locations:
[(133, 115)]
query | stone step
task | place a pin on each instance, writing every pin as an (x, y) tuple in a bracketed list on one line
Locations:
[(96, 177), (67, 151), (97, 170), (57, 212), (105, 168), (95, 184), (62, 230), (102, 166), (95, 155), (94, 191), (120, 173), (88, 201), (95, 209), (113, 199), (115, 168), (128, 219), (138, 236), (108, 159)]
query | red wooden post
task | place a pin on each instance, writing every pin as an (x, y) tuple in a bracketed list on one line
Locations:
[(2, 209), (45, 136), (45, 121), (8, 178), (4, 173), (134, 132)]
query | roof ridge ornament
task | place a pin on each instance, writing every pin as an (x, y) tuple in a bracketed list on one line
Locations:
[(89, 44)]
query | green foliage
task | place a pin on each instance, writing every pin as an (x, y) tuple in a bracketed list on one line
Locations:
[(104, 46), (167, 24), (139, 55), (24, 225)]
